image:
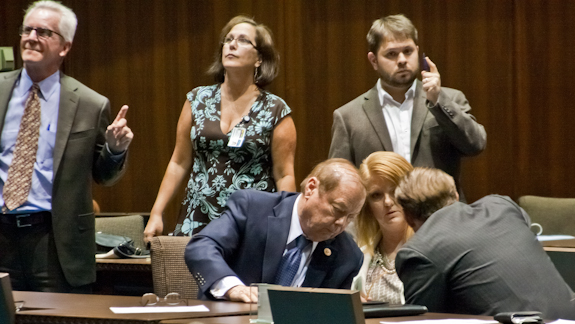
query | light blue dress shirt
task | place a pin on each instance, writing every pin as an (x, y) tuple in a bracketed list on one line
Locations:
[(40, 197)]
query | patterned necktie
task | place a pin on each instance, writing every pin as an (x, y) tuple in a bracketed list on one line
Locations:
[(290, 262), (19, 179)]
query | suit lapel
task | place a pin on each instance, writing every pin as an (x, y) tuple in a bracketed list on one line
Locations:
[(66, 113), (6, 93), (372, 109), (278, 231), (321, 262), (420, 111)]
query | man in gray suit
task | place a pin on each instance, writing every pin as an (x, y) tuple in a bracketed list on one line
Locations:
[(429, 125), (479, 259), (47, 239)]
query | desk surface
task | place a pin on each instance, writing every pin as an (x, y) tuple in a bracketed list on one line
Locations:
[(73, 308), (246, 319), (559, 245)]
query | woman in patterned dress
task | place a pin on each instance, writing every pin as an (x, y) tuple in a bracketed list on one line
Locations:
[(232, 135), (381, 228)]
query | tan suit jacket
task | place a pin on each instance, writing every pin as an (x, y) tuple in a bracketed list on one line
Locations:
[(440, 136), (79, 157)]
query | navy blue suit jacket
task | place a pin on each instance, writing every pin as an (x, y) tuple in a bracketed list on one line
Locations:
[(248, 241)]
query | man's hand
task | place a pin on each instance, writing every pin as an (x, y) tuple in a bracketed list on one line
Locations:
[(118, 134), (431, 82), (243, 294)]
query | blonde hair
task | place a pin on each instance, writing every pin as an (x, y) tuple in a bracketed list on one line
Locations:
[(396, 27), (424, 191), (390, 167)]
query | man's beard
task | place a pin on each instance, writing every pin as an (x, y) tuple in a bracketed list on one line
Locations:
[(394, 82)]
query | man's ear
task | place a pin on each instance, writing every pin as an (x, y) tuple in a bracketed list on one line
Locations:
[(66, 49), (372, 58), (311, 185), (408, 219)]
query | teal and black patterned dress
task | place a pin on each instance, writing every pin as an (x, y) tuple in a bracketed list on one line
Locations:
[(219, 170)]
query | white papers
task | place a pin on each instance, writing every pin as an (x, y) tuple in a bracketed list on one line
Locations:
[(543, 238), (159, 309), (446, 321)]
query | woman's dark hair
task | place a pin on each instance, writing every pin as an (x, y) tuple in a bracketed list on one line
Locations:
[(268, 69)]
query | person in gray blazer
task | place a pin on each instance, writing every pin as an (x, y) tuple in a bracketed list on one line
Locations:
[(426, 123), (48, 239), (479, 259)]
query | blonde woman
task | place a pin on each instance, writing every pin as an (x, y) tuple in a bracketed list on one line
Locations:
[(381, 228)]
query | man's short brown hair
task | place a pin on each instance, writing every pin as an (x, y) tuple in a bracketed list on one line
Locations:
[(424, 191), (394, 27)]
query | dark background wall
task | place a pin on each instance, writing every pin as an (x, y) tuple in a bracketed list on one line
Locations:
[(514, 59)]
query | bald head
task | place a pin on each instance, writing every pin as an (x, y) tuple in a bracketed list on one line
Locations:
[(332, 172), (332, 195)]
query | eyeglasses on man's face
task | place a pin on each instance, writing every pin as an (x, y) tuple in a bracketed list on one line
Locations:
[(40, 32), (241, 41)]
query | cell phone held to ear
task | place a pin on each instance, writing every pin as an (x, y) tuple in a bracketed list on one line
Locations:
[(424, 64)]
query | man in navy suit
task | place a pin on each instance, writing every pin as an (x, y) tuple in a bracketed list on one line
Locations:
[(246, 244)]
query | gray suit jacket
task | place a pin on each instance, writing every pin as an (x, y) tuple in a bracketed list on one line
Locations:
[(482, 259), (440, 136), (79, 157)]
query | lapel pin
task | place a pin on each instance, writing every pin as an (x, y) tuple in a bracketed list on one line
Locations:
[(327, 252)]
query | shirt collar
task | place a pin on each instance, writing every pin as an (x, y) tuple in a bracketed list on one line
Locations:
[(383, 95), (295, 228), (47, 86)]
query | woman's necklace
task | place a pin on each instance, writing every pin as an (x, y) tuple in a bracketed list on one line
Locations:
[(386, 265)]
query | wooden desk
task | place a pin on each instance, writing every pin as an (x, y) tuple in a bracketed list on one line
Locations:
[(246, 319), (559, 245), (128, 277), (95, 309)]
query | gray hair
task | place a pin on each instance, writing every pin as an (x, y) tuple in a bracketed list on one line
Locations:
[(68, 20)]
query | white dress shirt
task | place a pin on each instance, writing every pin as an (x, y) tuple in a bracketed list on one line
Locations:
[(398, 119), (221, 287)]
